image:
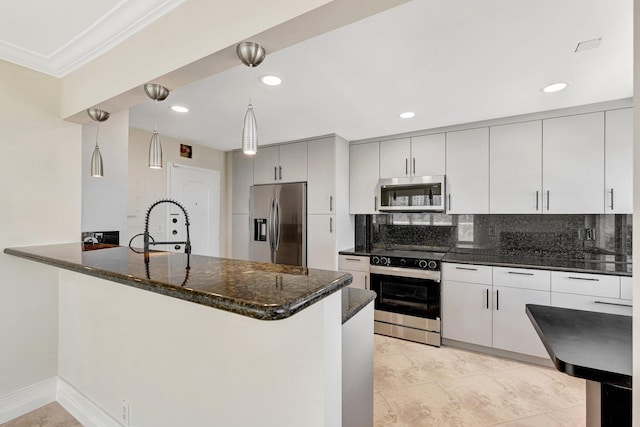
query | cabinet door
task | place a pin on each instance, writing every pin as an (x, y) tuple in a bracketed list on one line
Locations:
[(466, 312), (512, 329), (573, 164), (618, 167), (468, 171), (428, 155), (591, 303), (242, 181), (363, 177), (265, 165), (360, 279), (321, 181), (321, 238), (240, 237), (293, 162), (394, 158), (515, 153)]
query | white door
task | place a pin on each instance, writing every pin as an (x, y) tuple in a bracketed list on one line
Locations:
[(573, 164), (198, 190), (321, 183), (428, 155), (394, 158), (466, 312), (516, 168), (292, 162), (265, 165), (618, 156), (363, 177)]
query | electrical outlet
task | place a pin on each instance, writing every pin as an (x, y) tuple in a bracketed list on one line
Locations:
[(124, 417), (590, 234)]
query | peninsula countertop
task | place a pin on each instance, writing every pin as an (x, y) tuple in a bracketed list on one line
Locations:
[(253, 289)]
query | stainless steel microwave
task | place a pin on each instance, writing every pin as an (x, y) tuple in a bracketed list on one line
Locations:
[(416, 194)]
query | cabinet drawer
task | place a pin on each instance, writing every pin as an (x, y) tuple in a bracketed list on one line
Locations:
[(523, 278), (469, 273), (591, 303), (353, 263), (585, 284), (626, 288)]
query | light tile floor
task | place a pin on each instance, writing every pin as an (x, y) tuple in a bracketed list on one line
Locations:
[(417, 385)]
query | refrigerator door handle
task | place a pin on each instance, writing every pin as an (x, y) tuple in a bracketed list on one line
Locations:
[(270, 226), (277, 225)]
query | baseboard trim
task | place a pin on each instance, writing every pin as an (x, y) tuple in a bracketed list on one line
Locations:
[(83, 409), (500, 353), (27, 399)]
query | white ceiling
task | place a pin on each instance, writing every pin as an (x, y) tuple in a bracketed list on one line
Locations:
[(56, 37), (450, 62)]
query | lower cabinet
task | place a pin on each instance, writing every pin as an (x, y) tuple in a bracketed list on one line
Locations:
[(466, 312), (591, 292), (358, 266)]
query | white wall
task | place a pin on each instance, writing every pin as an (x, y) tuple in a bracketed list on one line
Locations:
[(104, 200), (148, 185), (40, 190)]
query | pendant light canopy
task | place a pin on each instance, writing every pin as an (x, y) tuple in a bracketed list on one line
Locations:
[(157, 93), (97, 168), (251, 54)]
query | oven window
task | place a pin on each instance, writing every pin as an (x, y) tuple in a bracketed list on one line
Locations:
[(404, 295)]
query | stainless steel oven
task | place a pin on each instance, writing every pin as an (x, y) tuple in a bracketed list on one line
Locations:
[(407, 305)]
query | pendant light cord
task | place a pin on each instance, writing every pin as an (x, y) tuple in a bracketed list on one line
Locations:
[(97, 132), (250, 82), (155, 113)]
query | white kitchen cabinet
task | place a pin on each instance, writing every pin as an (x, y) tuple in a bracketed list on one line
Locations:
[(280, 163), (468, 171), (515, 156), (618, 156), (626, 288), (591, 303), (241, 236), (321, 177), (395, 156), (428, 155), (512, 329), (466, 312), (242, 176), (358, 266), (597, 285), (363, 177), (321, 241), (573, 164)]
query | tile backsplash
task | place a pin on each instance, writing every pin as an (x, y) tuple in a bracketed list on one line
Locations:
[(564, 236)]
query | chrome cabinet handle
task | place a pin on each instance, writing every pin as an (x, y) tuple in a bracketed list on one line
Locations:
[(414, 165), (449, 207), (406, 166), (366, 285), (583, 278), (466, 268), (375, 203), (280, 167), (547, 199), (613, 303), (487, 298), (330, 203), (611, 199), (275, 173), (330, 225), (537, 196), (353, 259), (521, 274), (497, 300)]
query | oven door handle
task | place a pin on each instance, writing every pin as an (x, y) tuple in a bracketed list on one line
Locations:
[(405, 272)]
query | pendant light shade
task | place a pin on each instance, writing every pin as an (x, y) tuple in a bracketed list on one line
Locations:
[(251, 54), (250, 132), (157, 93), (97, 168), (155, 151)]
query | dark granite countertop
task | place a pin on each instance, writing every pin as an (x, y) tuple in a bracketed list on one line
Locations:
[(354, 300), (354, 252), (258, 290), (585, 344)]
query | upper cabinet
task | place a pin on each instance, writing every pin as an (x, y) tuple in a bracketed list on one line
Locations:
[(242, 181), (467, 180), (363, 177), (321, 176), (280, 163), (515, 158), (618, 157), (573, 164), (417, 156)]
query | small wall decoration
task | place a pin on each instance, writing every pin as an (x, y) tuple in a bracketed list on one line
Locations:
[(185, 151)]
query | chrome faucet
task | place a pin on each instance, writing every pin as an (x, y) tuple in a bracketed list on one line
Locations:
[(148, 240)]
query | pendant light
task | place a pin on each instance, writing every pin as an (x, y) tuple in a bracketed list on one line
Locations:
[(251, 54), (97, 115), (157, 93)]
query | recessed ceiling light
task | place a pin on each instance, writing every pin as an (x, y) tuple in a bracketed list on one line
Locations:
[(271, 80), (179, 109), (407, 115), (555, 87)]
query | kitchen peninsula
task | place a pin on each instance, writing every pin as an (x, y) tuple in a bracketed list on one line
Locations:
[(194, 340)]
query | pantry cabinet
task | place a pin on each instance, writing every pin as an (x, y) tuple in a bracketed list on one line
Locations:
[(618, 157), (363, 178), (321, 176)]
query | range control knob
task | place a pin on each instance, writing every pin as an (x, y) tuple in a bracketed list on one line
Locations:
[(403, 261), (385, 261), (375, 260), (422, 263), (432, 265)]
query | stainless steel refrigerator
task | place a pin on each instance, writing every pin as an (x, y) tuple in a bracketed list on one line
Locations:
[(279, 223)]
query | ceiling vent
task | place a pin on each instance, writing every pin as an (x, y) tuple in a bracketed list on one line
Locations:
[(589, 44)]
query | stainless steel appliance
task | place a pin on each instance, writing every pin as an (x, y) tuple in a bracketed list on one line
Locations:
[(416, 194), (407, 305), (279, 220)]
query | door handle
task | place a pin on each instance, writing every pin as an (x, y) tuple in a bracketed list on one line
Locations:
[(366, 285), (353, 259), (414, 166), (611, 198), (275, 173), (330, 225), (487, 298), (497, 300), (330, 203), (449, 207), (466, 268), (375, 203), (519, 273), (406, 166), (613, 303), (583, 278), (280, 168), (278, 224), (547, 199), (537, 196)]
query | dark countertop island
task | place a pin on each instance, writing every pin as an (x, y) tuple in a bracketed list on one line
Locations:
[(258, 290)]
